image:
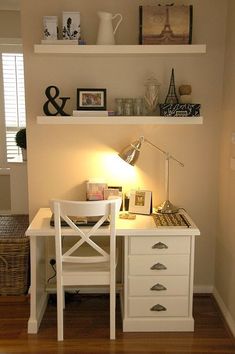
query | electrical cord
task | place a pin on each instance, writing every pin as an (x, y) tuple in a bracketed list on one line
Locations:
[(52, 263)]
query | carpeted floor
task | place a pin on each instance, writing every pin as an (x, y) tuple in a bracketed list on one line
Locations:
[(13, 225)]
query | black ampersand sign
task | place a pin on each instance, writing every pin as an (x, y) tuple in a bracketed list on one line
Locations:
[(52, 100)]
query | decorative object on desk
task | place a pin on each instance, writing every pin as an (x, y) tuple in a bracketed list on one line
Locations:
[(171, 95), (91, 99), (106, 33), (130, 155), (174, 220), (166, 24), (50, 27), (185, 94), (21, 142), (95, 190), (71, 25), (180, 110), (140, 202), (59, 109), (151, 95), (109, 193)]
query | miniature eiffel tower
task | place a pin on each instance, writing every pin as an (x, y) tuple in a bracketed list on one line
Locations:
[(171, 96)]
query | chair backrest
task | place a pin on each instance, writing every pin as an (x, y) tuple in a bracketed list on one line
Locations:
[(67, 210)]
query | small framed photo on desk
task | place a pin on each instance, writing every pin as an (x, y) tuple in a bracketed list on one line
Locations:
[(140, 202)]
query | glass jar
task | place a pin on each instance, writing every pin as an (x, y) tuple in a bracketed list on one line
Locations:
[(151, 95), (119, 107), (138, 106), (128, 107)]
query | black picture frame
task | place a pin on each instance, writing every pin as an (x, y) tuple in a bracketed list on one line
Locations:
[(91, 99)]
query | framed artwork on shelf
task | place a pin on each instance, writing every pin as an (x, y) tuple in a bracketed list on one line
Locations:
[(91, 99), (165, 24), (140, 202)]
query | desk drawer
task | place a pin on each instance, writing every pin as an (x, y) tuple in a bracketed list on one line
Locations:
[(158, 285), (160, 245), (158, 307), (159, 265)]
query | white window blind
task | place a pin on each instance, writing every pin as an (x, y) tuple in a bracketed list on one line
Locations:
[(14, 99)]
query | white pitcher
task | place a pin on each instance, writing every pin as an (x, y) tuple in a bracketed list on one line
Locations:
[(106, 32)]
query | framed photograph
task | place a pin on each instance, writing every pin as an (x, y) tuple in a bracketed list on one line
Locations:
[(71, 25), (166, 24), (140, 202), (91, 99)]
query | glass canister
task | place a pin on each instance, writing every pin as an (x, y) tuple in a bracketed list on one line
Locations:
[(128, 107), (119, 106), (138, 106), (151, 95)]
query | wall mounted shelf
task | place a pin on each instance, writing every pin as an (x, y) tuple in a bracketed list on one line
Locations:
[(114, 120), (119, 49)]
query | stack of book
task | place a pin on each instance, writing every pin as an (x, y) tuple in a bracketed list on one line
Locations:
[(93, 113)]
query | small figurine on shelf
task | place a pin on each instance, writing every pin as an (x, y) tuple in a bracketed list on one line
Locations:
[(171, 95), (185, 93)]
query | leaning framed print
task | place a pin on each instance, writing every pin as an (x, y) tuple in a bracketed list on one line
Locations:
[(140, 202), (91, 99), (165, 24)]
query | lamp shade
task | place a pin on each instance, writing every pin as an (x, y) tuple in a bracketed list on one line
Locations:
[(130, 153)]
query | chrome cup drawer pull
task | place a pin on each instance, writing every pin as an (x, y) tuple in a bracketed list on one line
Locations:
[(158, 287), (160, 246), (158, 266), (158, 308)]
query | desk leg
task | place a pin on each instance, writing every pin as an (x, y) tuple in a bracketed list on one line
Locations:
[(38, 295)]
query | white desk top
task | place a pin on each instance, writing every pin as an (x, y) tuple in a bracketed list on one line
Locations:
[(143, 225)]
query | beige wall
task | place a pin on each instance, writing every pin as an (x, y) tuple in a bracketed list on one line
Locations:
[(61, 158), (225, 247), (10, 24), (5, 195)]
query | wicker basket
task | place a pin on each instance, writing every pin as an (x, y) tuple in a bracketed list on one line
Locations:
[(14, 265)]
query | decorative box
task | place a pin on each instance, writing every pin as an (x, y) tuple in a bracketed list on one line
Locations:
[(180, 109), (71, 25)]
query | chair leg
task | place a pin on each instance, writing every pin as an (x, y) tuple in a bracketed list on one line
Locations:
[(60, 319), (112, 312)]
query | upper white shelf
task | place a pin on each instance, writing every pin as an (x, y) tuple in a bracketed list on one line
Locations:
[(114, 120), (119, 49)]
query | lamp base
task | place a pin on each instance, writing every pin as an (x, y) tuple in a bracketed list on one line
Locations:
[(167, 208)]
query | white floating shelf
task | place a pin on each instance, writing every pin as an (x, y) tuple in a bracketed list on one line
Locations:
[(119, 49), (114, 120)]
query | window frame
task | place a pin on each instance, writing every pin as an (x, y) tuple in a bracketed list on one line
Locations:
[(7, 45)]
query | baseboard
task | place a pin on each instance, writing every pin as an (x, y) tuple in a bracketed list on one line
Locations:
[(203, 289), (227, 316), (5, 212)]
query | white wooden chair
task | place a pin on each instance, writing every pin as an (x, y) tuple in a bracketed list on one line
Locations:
[(75, 269)]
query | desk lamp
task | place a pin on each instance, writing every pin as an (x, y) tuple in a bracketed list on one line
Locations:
[(130, 154)]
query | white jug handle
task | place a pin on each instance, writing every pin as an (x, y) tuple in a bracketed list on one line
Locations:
[(114, 31)]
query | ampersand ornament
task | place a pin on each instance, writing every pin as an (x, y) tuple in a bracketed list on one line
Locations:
[(59, 108)]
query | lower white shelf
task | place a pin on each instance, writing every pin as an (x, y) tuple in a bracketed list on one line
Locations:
[(115, 120)]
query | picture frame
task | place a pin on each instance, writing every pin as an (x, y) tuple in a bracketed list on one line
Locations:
[(165, 24), (140, 202), (89, 99)]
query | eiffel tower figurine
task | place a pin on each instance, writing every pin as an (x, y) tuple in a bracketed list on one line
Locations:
[(171, 95)]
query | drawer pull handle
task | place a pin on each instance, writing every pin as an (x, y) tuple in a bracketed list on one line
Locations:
[(160, 246), (158, 266), (158, 287), (158, 308)]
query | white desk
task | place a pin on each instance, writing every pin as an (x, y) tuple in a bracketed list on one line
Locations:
[(158, 299)]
